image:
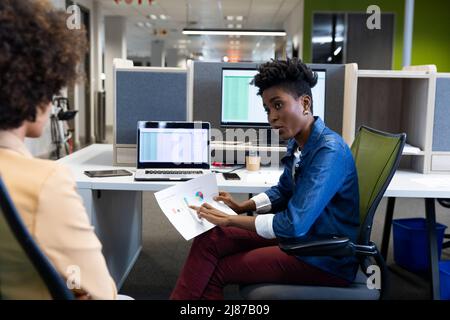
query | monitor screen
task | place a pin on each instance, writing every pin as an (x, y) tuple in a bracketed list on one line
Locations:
[(241, 105)]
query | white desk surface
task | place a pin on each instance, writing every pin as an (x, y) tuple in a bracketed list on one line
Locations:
[(405, 184)]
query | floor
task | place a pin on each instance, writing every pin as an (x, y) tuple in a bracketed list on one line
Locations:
[(164, 252)]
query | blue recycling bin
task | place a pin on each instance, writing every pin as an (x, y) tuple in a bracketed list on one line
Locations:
[(444, 277), (411, 250)]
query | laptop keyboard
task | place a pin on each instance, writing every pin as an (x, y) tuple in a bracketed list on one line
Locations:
[(173, 172)]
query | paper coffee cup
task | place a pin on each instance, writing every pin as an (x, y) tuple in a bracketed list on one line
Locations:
[(253, 163)]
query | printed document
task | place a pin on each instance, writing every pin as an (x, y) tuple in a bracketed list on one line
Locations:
[(175, 201)]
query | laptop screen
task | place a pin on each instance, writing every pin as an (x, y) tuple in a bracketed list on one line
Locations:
[(173, 145)]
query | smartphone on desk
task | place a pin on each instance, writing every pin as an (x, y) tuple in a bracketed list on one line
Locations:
[(107, 173), (231, 176)]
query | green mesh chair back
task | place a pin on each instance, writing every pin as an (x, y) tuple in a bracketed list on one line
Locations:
[(25, 273), (377, 156)]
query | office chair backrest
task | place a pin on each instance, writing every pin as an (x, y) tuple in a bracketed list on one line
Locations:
[(377, 156), (25, 273)]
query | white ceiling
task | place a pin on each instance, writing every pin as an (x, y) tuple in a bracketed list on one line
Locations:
[(257, 14)]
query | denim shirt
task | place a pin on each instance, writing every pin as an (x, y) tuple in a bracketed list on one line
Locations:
[(322, 200)]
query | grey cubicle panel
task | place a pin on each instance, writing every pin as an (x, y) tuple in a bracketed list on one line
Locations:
[(207, 95), (334, 94), (440, 160), (207, 98), (207, 92), (150, 94), (441, 128)]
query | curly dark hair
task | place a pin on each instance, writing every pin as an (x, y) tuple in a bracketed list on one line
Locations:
[(39, 56), (292, 75)]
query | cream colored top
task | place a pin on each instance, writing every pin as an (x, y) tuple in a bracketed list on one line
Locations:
[(45, 196)]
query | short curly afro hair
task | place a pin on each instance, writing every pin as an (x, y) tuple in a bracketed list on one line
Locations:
[(292, 75), (39, 56)]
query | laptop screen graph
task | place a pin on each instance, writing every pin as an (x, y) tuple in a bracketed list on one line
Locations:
[(173, 145)]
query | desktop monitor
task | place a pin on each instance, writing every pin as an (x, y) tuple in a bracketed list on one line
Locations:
[(241, 105)]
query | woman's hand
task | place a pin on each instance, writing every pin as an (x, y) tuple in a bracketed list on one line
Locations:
[(229, 201), (219, 218), (213, 215)]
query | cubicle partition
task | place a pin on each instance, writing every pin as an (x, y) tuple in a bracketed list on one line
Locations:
[(207, 92), (145, 94), (206, 99), (416, 101), (440, 157)]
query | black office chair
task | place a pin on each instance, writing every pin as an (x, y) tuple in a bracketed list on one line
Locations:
[(377, 156), (25, 273)]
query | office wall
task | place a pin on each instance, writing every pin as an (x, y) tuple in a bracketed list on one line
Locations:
[(392, 6), (294, 28), (372, 50), (60, 4), (431, 38), (42, 147), (115, 47)]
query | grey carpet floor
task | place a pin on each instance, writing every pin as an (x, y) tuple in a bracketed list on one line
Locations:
[(164, 251)]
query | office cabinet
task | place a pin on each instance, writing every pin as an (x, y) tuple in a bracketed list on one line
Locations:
[(416, 101)]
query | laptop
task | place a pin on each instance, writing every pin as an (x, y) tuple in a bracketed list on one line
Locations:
[(172, 151)]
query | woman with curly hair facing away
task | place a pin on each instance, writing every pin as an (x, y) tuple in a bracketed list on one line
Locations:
[(316, 196), (38, 57)]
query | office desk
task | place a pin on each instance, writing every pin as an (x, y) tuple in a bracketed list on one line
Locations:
[(114, 204)]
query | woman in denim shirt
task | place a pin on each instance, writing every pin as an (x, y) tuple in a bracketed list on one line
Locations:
[(316, 196)]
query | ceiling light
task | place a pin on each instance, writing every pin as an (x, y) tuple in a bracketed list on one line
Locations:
[(239, 18), (162, 17), (225, 59), (326, 39), (148, 24), (231, 26), (230, 18), (153, 17), (243, 32), (239, 26)]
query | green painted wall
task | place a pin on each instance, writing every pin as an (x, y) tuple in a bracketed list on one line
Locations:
[(431, 38)]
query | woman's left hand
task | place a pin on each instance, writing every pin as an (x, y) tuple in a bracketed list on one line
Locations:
[(208, 212)]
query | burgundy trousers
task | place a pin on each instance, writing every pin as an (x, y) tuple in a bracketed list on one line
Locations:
[(230, 255)]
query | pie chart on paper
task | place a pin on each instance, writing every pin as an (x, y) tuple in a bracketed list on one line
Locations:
[(199, 196)]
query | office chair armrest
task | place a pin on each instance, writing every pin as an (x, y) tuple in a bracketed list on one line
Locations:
[(334, 247)]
